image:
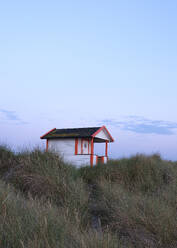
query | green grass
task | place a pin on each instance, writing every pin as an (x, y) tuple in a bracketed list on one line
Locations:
[(47, 203)]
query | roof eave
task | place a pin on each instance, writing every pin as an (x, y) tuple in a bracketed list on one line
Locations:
[(43, 136)]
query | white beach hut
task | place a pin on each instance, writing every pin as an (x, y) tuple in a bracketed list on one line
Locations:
[(76, 145)]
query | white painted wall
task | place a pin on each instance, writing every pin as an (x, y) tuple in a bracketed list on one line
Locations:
[(90, 143), (78, 160), (66, 148), (94, 159), (105, 160)]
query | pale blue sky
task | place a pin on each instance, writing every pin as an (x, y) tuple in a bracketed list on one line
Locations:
[(88, 63)]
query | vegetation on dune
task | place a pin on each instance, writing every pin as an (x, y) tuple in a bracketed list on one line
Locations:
[(45, 175), (140, 172), (136, 198), (47, 203), (7, 159), (34, 223)]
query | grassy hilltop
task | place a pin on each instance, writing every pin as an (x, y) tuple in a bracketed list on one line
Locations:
[(45, 203)]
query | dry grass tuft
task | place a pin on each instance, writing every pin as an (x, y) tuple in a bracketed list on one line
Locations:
[(47, 203)]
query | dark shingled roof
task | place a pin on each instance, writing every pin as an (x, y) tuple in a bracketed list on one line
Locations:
[(71, 133)]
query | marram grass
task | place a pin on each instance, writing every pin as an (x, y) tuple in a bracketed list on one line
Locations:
[(47, 203)]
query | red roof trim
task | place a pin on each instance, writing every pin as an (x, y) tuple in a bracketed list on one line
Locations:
[(47, 133), (99, 130), (109, 133)]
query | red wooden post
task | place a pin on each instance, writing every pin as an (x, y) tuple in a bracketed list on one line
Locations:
[(76, 146), (82, 146), (106, 149), (92, 152), (47, 144)]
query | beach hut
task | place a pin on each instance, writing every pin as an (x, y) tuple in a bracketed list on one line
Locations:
[(76, 145)]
